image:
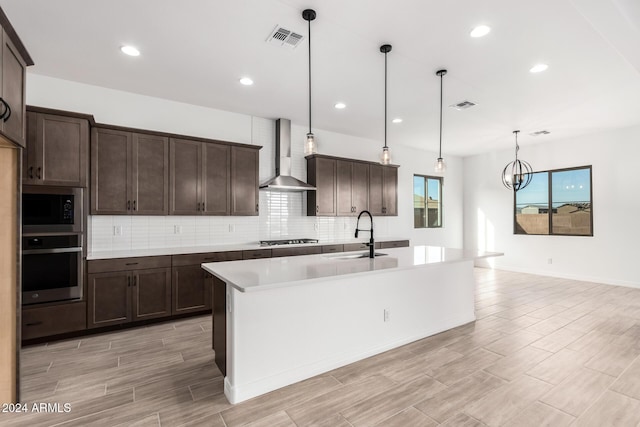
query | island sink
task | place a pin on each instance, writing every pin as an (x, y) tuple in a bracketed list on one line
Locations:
[(354, 256)]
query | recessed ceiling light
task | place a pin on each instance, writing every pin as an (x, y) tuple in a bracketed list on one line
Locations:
[(396, 120), (340, 105), (480, 31), (246, 81), (129, 50), (538, 68)]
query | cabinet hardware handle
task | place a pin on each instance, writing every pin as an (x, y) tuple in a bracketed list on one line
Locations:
[(256, 207), (128, 205), (31, 172), (131, 263), (317, 208), (33, 324), (129, 282), (38, 172), (203, 206), (135, 280), (7, 114), (134, 206)]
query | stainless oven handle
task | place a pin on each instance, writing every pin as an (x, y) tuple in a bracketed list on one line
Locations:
[(51, 251)]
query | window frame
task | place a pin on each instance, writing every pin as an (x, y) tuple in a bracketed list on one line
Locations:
[(550, 203), (440, 179)]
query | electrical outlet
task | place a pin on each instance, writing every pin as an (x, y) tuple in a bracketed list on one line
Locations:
[(177, 229), (232, 228), (549, 260), (315, 226), (117, 230), (387, 314)]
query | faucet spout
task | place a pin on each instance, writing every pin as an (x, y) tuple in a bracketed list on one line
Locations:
[(371, 243)]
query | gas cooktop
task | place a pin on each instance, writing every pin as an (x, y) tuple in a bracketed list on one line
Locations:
[(286, 242)]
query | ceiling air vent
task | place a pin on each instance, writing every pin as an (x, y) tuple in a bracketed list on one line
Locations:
[(283, 37), (540, 132), (463, 105)]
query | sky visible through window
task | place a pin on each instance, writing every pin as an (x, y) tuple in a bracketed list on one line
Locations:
[(432, 188), (570, 186)]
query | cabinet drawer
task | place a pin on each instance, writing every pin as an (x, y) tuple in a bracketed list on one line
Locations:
[(121, 264), (255, 254), (332, 248), (194, 259), (52, 320), (359, 246), (278, 252), (395, 244)]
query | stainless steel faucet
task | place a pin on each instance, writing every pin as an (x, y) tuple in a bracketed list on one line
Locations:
[(371, 243)]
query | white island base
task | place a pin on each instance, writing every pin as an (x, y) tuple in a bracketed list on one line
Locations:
[(277, 335)]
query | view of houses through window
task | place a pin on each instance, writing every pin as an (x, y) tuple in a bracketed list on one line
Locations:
[(427, 201), (556, 202)]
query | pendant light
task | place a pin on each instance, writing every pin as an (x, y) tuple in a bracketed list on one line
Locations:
[(440, 166), (517, 174), (310, 146), (385, 156)]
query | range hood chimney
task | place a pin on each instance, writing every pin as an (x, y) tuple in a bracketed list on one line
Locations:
[(283, 180)]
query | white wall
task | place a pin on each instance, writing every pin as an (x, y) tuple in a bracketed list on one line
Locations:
[(281, 214), (610, 256)]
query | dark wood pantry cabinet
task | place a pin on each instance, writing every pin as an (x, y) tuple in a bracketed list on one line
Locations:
[(57, 149), (128, 289), (13, 61), (129, 173)]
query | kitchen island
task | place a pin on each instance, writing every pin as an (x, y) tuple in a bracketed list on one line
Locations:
[(281, 320)]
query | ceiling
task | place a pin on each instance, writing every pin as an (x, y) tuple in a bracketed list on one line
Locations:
[(195, 52)]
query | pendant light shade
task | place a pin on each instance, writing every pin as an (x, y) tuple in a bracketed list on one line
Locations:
[(517, 174), (440, 166), (385, 156), (310, 145)]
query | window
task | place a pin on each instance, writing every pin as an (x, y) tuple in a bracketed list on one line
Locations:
[(427, 201), (555, 202)]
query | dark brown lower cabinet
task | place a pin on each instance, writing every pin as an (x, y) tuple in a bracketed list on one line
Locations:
[(42, 321), (219, 332), (191, 289), (128, 289)]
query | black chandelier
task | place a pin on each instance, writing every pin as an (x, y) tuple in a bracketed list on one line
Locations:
[(517, 174)]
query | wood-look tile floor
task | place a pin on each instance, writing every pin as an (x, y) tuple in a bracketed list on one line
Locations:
[(543, 351)]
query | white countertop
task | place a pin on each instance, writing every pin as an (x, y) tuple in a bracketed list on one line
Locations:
[(219, 248), (269, 273)]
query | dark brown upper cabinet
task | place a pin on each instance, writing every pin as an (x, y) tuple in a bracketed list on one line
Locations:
[(208, 178), (346, 187), (129, 173), (13, 62), (321, 173), (352, 187), (383, 190), (244, 181), (57, 151)]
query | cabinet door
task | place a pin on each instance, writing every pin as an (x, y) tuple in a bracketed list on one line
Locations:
[(151, 293), (359, 187), (390, 190), (323, 176), (149, 175), (29, 153), (244, 181), (343, 188), (62, 149), (190, 292), (216, 183), (375, 189), (109, 299), (13, 90), (185, 161), (110, 171)]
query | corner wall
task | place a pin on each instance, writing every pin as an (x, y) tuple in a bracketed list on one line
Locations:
[(610, 256)]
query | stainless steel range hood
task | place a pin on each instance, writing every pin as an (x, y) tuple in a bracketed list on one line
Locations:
[(283, 180)]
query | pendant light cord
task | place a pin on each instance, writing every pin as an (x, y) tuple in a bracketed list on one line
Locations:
[(385, 100), (309, 21), (440, 149)]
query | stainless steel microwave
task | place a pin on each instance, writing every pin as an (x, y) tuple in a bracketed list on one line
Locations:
[(51, 209)]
